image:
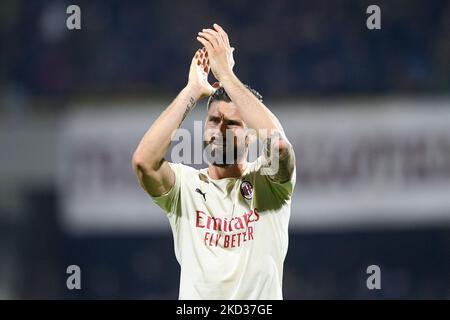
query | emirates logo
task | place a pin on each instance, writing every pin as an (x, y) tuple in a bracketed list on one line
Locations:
[(247, 190)]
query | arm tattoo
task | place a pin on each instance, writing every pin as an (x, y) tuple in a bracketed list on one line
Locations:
[(189, 107), (286, 160)]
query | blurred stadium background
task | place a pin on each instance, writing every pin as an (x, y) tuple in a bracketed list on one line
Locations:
[(368, 113)]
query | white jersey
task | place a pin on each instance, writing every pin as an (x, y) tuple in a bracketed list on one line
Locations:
[(231, 234)]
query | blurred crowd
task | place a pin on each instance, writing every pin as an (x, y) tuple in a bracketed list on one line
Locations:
[(283, 48)]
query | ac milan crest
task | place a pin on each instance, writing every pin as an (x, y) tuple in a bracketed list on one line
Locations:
[(247, 190)]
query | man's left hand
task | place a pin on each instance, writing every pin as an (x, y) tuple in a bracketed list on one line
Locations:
[(220, 53)]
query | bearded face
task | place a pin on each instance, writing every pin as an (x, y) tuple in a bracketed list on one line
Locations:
[(225, 140)]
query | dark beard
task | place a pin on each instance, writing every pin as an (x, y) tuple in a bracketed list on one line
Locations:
[(223, 156)]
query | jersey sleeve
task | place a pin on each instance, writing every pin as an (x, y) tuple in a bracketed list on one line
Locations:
[(170, 200), (282, 191)]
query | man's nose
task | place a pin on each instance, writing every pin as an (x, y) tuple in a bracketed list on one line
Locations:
[(223, 127)]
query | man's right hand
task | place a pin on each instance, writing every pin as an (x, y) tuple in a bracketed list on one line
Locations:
[(198, 74)]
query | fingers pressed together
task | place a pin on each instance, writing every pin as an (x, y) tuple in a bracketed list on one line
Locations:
[(201, 57), (213, 39)]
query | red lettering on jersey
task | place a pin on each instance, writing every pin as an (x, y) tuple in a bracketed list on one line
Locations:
[(242, 223), (233, 240), (250, 233), (206, 237), (245, 217), (238, 239), (217, 239), (226, 241), (197, 220), (211, 240), (217, 225), (256, 215), (238, 225)]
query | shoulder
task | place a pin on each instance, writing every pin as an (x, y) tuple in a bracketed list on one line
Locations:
[(185, 174), (262, 169), (257, 166), (182, 168)]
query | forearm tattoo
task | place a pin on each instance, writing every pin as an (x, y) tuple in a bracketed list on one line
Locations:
[(189, 107), (286, 159)]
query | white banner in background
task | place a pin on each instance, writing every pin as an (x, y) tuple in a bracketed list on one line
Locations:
[(377, 165)]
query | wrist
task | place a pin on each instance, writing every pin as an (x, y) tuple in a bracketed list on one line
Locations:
[(193, 91), (226, 76)]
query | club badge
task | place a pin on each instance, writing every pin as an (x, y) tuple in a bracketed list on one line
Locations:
[(247, 190)]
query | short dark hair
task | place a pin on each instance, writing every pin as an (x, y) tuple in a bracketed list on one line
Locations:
[(221, 95)]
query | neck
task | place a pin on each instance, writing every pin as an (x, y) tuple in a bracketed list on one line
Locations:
[(231, 171)]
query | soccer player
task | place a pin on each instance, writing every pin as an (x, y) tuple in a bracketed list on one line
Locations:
[(229, 220)]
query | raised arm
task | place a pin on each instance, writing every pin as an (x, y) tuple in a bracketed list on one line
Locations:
[(254, 113), (152, 170)]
